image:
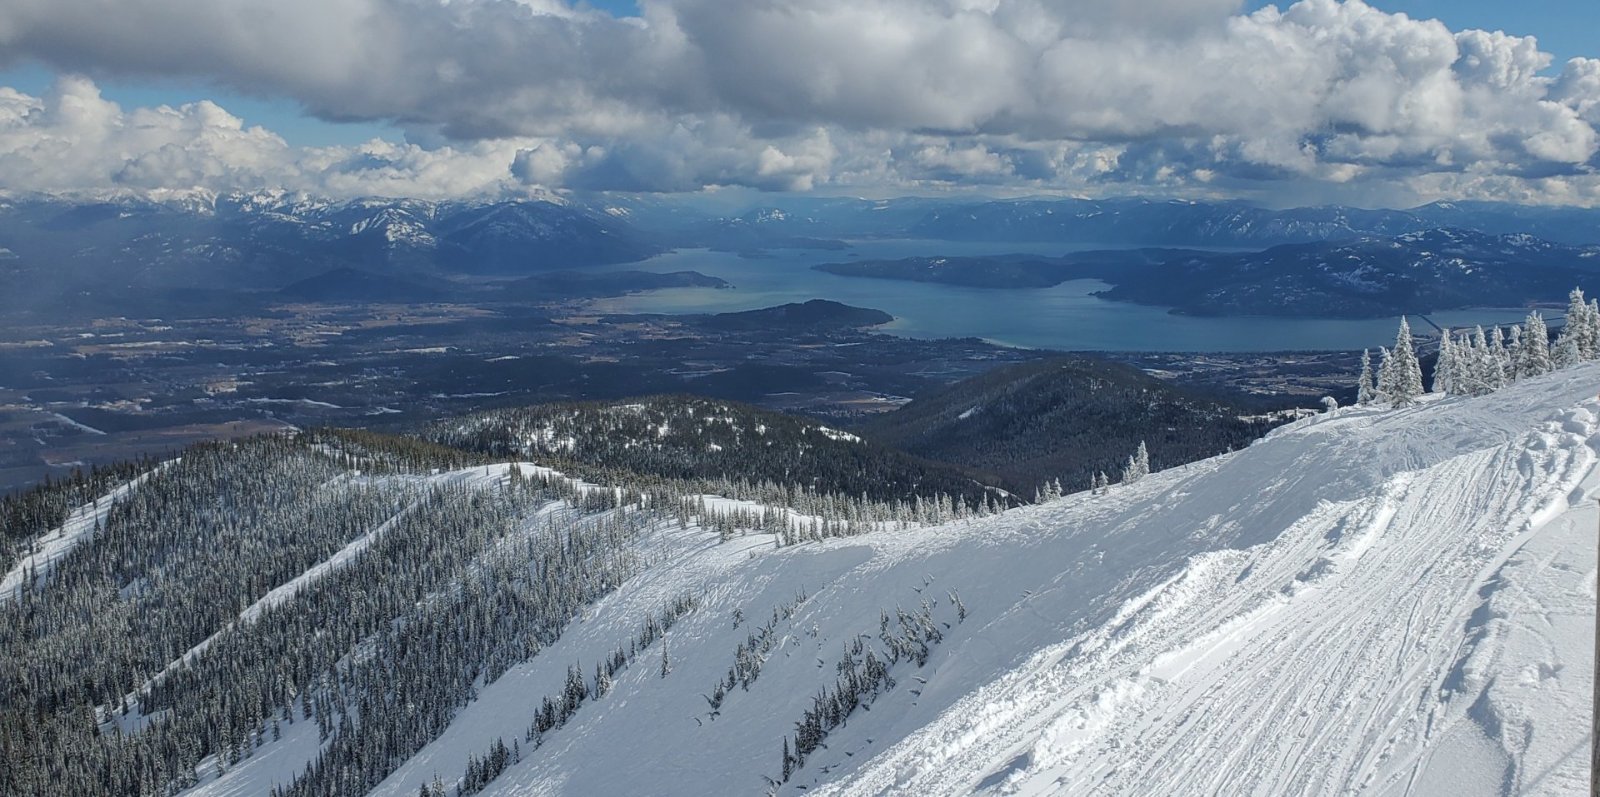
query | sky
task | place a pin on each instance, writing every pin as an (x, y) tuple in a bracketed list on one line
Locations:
[(1394, 102)]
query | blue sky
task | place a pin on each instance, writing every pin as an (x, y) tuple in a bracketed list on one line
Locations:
[(1565, 28)]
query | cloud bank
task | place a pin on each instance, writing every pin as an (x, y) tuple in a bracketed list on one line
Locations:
[(1323, 98)]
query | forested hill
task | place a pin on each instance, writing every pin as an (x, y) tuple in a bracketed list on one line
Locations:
[(349, 615), (1067, 419), (308, 611), (687, 437)]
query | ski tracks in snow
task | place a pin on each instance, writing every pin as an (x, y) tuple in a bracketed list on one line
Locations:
[(1324, 661)]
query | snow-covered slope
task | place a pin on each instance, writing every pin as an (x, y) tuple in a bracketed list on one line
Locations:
[(59, 542), (1387, 602)]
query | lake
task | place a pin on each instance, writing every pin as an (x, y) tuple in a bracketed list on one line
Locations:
[(1065, 317)]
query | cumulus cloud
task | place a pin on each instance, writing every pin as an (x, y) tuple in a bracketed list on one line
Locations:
[(1172, 95), (74, 140)]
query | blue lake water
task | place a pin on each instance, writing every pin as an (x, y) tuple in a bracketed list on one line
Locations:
[(1065, 317)]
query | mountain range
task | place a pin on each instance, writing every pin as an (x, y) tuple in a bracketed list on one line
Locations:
[(160, 254), (1368, 276)]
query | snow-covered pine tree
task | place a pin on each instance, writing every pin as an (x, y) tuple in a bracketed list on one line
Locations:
[(1468, 380), (1592, 332), (1138, 465), (1366, 389), (1386, 376), (1513, 351), (1494, 362), (1582, 326), (1533, 357), (1565, 354), (1408, 372), (1444, 370)]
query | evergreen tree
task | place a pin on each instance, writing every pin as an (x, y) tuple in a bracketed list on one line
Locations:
[(1406, 372), (1565, 354), (1491, 359), (1444, 370), (1468, 379), (1513, 353), (1366, 388), (1582, 325), (1533, 356), (1386, 376), (1592, 316), (1138, 465)]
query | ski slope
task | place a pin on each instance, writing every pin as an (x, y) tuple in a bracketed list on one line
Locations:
[(1373, 601), (58, 542)]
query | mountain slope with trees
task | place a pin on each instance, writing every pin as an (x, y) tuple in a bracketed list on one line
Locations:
[(1067, 419), (692, 438), (343, 613)]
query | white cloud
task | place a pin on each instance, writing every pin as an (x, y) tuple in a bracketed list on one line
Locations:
[(1175, 95), (75, 140)]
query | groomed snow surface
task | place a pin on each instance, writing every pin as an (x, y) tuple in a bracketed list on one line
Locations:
[(1373, 601)]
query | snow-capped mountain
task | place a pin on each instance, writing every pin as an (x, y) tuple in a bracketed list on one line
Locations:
[(270, 238), (1151, 222), (1368, 601), (1414, 272)]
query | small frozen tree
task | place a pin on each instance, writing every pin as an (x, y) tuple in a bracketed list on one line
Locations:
[(1592, 333), (1385, 382), (1138, 465), (1473, 364), (1582, 325), (1444, 370), (1366, 389), (1533, 356), (1513, 352), (1406, 377), (1494, 360), (1565, 354)]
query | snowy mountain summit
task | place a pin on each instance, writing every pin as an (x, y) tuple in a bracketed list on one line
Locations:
[(1374, 601)]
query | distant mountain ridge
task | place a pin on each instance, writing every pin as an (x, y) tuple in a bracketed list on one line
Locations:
[(1424, 271), (115, 251), (1370, 276), (1235, 224), (268, 240)]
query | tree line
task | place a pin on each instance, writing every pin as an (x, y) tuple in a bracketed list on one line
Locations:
[(1476, 363)]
